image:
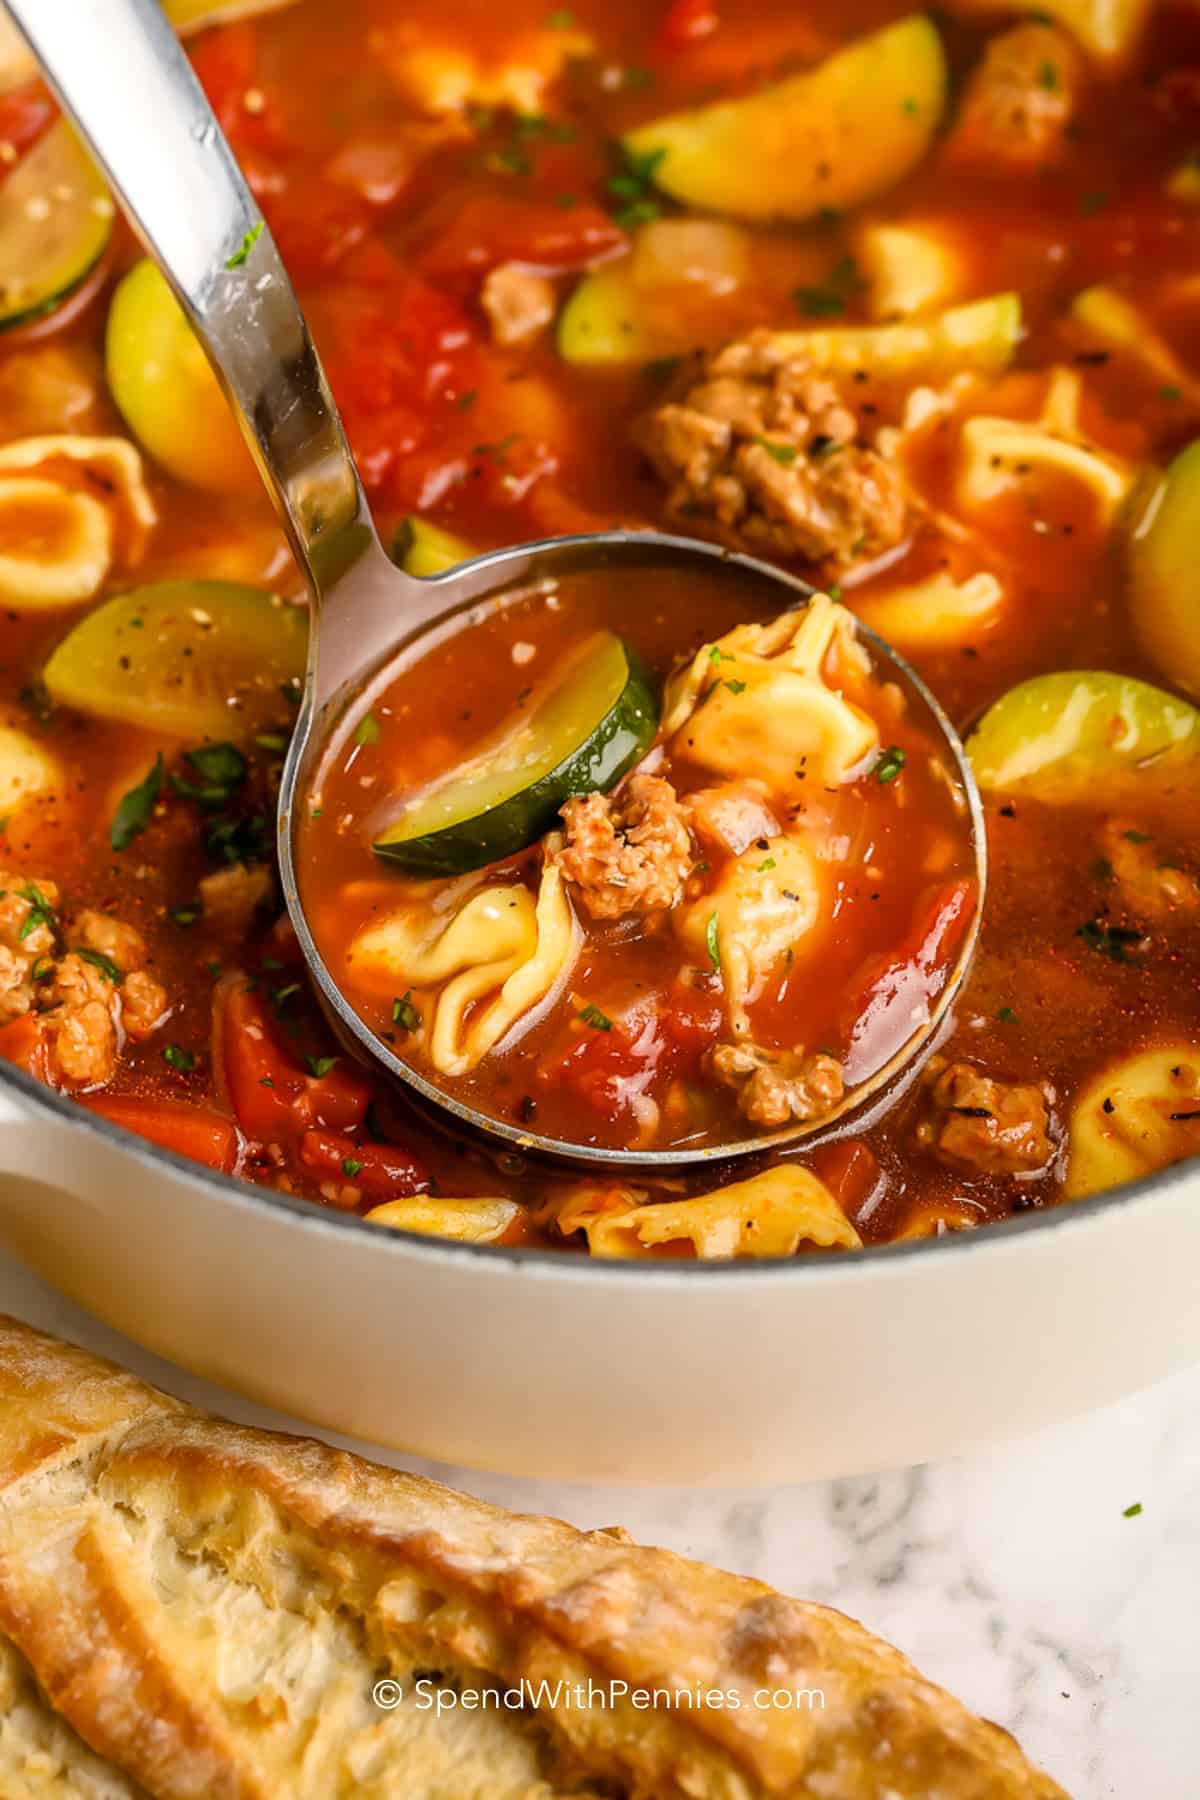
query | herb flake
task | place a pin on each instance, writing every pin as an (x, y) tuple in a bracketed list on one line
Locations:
[(241, 254), (135, 808)]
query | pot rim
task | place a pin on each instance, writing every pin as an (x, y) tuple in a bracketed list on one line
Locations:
[(537, 1262)]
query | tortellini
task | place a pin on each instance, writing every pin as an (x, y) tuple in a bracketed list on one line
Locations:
[(57, 540), (27, 770), (997, 454), (759, 700), (1138, 1115), (938, 613), (480, 1221), (500, 941), (765, 903), (910, 269), (771, 1214)]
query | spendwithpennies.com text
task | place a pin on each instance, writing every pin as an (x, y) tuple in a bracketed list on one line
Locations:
[(428, 1695)]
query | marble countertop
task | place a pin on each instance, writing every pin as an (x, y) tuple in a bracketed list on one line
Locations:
[(1012, 1577)]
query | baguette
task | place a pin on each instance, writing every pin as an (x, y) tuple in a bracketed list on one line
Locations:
[(210, 1609)]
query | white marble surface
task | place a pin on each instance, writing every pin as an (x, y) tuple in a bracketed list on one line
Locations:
[(1012, 1577)]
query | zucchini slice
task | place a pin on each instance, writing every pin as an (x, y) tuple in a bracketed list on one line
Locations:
[(189, 659), (424, 549), (56, 217), (595, 717)]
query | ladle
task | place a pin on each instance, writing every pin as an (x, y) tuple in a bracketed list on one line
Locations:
[(120, 73)]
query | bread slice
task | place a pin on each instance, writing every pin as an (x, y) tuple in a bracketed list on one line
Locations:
[(212, 1609)]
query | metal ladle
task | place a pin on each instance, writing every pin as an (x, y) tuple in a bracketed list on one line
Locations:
[(120, 73)]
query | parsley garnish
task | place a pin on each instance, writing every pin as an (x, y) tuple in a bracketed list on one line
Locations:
[(105, 964), (712, 938), (768, 862), (632, 186), (1136, 837), (40, 912), (831, 295), (405, 1014), (179, 1058), (184, 915), (890, 764), (591, 1015), (1006, 1015), (351, 1166), (1093, 203), (1119, 942), (780, 453), (1048, 77), (274, 742), (1131, 1512), (321, 1065), (562, 19), (367, 730), (245, 247), (134, 809)]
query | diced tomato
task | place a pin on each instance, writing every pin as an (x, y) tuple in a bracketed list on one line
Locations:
[(686, 22), (200, 1132), (849, 1169), (382, 1171), (494, 228), (25, 114), (273, 1096), (692, 1018), (893, 989), (23, 1042), (611, 1068)]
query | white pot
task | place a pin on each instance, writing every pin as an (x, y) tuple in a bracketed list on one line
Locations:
[(544, 1364)]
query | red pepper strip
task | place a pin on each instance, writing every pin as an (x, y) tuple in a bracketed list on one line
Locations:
[(382, 1171), (686, 22), (894, 988), (274, 1098), (197, 1131), (489, 229), (25, 115), (23, 1042)]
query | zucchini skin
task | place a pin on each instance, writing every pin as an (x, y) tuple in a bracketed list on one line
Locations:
[(611, 749)]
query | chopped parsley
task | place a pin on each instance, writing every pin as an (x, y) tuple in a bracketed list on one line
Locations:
[(367, 730), (1102, 869), (736, 687), (1171, 392), (890, 763), (1093, 203), (281, 995), (632, 185), (591, 1015), (1006, 1015), (351, 1166), (40, 912), (221, 769), (1131, 1512), (134, 808), (1136, 837), (405, 1014), (274, 742), (831, 295), (712, 938), (1118, 942), (319, 1066), (107, 967), (179, 1058), (780, 453), (1048, 77), (717, 655), (768, 862), (247, 244), (184, 915), (562, 19)]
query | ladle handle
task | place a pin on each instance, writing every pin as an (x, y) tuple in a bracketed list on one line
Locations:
[(119, 71)]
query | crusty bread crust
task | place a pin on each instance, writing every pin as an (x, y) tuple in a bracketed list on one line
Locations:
[(210, 1608)]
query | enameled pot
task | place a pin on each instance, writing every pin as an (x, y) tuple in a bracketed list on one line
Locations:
[(541, 1363)]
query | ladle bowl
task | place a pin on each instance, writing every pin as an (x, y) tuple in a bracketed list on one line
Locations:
[(122, 76)]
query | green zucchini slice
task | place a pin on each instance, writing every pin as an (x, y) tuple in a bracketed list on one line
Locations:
[(187, 659), (56, 217), (595, 717)]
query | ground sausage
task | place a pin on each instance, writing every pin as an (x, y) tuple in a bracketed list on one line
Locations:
[(1019, 102), (518, 303), (628, 852), (984, 1127), (231, 897), (776, 1086), (759, 447)]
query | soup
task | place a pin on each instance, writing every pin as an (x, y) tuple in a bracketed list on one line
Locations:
[(753, 927), (907, 305)]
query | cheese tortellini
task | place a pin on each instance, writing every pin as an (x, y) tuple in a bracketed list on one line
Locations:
[(760, 699), (500, 942), (1138, 1115), (997, 454), (57, 540), (771, 1214), (765, 904)]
